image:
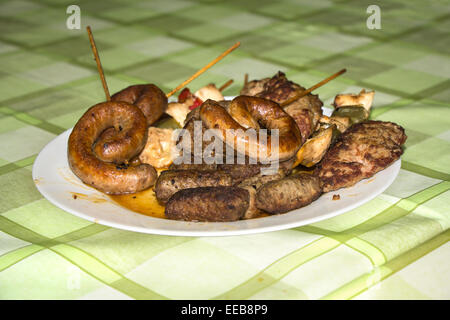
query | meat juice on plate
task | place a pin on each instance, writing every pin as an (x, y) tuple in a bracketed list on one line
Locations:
[(143, 202)]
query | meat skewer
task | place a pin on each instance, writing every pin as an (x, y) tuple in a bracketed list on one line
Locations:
[(99, 64), (209, 65), (314, 87), (226, 85)]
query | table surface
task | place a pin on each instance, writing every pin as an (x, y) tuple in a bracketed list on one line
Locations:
[(394, 247)]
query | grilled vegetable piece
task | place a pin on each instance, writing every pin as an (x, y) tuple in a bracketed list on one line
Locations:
[(315, 148), (363, 99), (179, 110), (209, 91), (341, 123), (356, 114)]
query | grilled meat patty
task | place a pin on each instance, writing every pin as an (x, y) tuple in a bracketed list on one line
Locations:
[(289, 193), (208, 204), (360, 152)]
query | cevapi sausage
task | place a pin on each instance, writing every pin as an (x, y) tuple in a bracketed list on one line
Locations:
[(265, 112), (111, 146), (172, 181), (106, 176), (208, 204), (292, 192)]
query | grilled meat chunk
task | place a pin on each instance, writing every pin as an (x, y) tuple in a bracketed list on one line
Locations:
[(289, 193), (252, 88), (306, 111), (208, 204), (304, 118), (360, 152)]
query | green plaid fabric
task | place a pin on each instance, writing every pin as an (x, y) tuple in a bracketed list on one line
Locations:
[(395, 246)]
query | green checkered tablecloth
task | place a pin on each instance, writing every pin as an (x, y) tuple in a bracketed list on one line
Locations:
[(395, 246)]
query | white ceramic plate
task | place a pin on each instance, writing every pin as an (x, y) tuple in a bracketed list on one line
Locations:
[(57, 183)]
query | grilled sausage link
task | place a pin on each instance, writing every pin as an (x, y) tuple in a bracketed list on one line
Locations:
[(289, 193), (147, 97), (171, 181), (208, 204), (111, 146), (105, 176), (265, 112)]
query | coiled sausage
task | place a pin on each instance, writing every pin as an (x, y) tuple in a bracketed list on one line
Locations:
[(267, 113), (111, 146), (106, 176), (147, 97)]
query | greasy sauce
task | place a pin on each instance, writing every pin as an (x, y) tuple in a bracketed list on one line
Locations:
[(92, 198), (143, 202)]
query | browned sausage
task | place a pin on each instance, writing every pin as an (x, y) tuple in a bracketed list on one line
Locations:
[(267, 113), (289, 193), (113, 145), (118, 145), (148, 97), (171, 181), (208, 204), (105, 176)]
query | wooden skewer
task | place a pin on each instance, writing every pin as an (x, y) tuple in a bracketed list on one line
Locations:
[(245, 79), (226, 85), (99, 65), (209, 65), (314, 87)]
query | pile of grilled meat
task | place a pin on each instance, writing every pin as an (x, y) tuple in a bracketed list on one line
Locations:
[(347, 148)]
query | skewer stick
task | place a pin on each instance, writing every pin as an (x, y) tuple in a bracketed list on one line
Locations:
[(245, 79), (314, 87), (226, 85), (99, 65), (209, 65)]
